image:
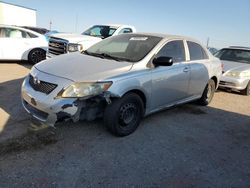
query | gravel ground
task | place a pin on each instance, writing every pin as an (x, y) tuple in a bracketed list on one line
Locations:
[(187, 146)]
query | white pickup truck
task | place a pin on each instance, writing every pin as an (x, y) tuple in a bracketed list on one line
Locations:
[(61, 43)]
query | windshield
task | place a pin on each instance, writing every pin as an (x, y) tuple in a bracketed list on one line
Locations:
[(125, 47), (101, 31), (238, 55)]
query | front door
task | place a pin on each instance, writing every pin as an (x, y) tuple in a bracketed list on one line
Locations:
[(170, 83)]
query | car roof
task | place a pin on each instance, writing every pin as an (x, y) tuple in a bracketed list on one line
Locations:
[(21, 28), (167, 36), (115, 25), (36, 29), (238, 48)]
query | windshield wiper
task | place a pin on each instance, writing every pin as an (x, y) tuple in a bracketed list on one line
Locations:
[(92, 54), (105, 55), (102, 55)]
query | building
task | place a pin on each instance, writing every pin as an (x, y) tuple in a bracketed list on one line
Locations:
[(17, 15)]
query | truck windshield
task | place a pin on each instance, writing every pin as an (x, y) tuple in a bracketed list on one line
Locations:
[(125, 47), (101, 31)]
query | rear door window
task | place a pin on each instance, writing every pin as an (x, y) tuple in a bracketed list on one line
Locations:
[(196, 51)]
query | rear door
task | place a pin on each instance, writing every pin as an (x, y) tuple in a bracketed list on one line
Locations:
[(199, 67), (170, 83)]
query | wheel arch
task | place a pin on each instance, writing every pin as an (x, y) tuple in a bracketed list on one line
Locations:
[(36, 48), (141, 94), (215, 79), (33, 49)]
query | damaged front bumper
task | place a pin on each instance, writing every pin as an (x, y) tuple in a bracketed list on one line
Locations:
[(49, 114), (65, 109), (49, 109)]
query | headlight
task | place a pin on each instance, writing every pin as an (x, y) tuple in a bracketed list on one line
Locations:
[(244, 74), (83, 89), (74, 47)]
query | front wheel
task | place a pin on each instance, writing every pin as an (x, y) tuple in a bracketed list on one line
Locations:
[(208, 93), (123, 116), (36, 55)]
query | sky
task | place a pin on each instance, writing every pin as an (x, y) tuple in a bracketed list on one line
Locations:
[(224, 22)]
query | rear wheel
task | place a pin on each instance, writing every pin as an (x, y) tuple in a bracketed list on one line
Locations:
[(208, 93), (36, 55), (123, 116), (246, 91)]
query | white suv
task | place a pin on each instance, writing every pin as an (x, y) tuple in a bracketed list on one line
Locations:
[(22, 44)]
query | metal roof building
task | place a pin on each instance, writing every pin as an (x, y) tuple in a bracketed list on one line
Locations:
[(11, 14)]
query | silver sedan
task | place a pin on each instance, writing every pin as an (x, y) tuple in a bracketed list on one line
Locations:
[(121, 79), (236, 68)]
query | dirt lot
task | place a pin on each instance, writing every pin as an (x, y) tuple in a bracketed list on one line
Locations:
[(188, 146)]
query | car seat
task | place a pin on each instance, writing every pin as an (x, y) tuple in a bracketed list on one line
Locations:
[(15, 34), (105, 32)]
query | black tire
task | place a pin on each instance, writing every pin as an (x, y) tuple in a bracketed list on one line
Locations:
[(208, 93), (246, 91), (123, 116), (36, 55)]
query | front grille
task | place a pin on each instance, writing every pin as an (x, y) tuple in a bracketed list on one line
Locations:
[(57, 46), (41, 86)]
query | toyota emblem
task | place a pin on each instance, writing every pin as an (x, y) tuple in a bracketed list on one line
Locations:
[(36, 81)]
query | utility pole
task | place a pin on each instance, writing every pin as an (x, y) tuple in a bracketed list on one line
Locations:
[(50, 24), (208, 42)]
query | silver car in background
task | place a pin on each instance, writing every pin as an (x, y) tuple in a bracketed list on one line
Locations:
[(121, 79), (236, 68)]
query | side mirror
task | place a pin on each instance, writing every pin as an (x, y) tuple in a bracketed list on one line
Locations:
[(163, 61)]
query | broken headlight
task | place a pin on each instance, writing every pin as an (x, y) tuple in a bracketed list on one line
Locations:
[(83, 89)]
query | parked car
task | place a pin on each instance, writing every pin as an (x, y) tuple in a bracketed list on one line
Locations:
[(17, 43), (121, 79), (236, 71), (65, 42), (212, 50)]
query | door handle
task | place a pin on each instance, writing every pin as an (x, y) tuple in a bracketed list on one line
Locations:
[(186, 69)]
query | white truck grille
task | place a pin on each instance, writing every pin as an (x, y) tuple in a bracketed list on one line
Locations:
[(57, 46)]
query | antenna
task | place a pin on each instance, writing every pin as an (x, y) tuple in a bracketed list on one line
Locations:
[(50, 24), (208, 42)]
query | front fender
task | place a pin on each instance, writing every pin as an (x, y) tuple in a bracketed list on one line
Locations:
[(141, 83)]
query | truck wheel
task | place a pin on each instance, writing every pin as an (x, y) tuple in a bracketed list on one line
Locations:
[(36, 55), (208, 93), (123, 116), (246, 91)]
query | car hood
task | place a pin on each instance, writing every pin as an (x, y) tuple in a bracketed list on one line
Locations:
[(80, 67), (235, 66), (75, 38)]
